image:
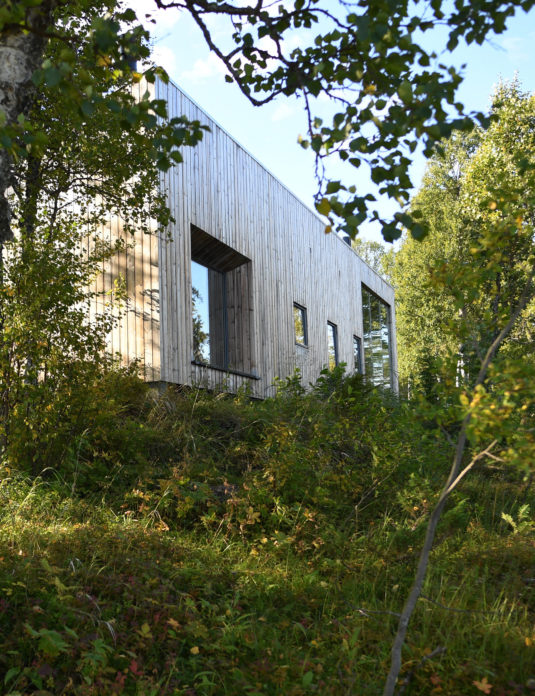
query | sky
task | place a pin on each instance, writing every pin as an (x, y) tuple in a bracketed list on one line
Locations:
[(270, 133)]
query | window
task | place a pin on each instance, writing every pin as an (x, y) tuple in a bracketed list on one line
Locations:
[(332, 345), (221, 304), (357, 354), (200, 312), (300, 325), (376, 324)]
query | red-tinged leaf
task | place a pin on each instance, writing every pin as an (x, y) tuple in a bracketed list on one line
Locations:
[(134, 668)]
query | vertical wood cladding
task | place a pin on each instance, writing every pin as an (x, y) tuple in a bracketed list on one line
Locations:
[(221, 190)]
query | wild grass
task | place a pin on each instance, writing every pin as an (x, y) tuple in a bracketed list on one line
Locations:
[(198, 544)]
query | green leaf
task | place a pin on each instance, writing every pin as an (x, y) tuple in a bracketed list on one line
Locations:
[(12, 672), (405, 92), (307, 680), (87, 107), (333, 187), (52, 76)]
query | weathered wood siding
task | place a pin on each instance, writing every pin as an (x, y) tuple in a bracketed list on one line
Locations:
[(137, 335), (222, 190)]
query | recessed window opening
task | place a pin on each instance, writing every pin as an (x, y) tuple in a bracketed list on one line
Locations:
[(221, 305), (357, 355), (332, 345), (377, 342), (300, 325)]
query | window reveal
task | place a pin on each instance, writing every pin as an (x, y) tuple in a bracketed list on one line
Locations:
[(221, 305)]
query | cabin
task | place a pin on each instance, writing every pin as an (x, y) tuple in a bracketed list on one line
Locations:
[(245, 286)]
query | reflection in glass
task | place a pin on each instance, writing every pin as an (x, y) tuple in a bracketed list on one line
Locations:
[(376, 324), (300, 325), (332, 345), (357, 354), (209, 315), (200, 313)]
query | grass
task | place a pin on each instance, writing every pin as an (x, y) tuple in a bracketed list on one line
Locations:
[(261, 548)]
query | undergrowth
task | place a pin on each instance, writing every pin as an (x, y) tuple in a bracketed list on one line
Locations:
[(200, 544)]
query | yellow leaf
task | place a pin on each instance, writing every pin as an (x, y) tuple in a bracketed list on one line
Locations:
[(323, 207), (144, 631), (483, 685)]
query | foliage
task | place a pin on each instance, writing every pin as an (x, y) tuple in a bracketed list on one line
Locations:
[(375, 254), (86, 177), (261, 548), (457, 286), (388, 91), (482, 393), (82, 55)]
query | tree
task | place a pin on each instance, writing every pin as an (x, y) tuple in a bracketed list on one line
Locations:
[(85, 172), (440, 282), (369, 251), (388, 91), (84, 53), (480, 273)]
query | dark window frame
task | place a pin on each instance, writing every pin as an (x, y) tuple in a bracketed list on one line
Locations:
[(334, 327), (304, 316)]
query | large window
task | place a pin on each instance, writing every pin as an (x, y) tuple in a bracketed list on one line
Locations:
[(332, 345), (221, 305), (376, 324), (300, 325)]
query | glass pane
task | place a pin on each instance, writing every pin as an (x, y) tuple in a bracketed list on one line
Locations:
[(357, 354), (300, 325), (375, 316), (200, 312), (332, 346)]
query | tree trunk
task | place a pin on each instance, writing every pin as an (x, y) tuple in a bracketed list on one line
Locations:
[(21, 53)]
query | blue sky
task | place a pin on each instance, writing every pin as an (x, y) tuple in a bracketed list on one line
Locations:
[(270, 132)]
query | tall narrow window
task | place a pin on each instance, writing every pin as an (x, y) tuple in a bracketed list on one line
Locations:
[(200, 312), (300, 325), (376, 323), (332, 345), (221, 304), (357, 354)]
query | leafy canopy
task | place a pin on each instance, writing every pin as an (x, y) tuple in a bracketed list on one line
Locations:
[(457, 287), (388, 90)]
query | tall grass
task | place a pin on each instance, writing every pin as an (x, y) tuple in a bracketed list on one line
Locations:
[(205, 544)]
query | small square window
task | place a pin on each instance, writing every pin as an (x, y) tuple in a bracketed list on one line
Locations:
[(332, 345), (300, 325)]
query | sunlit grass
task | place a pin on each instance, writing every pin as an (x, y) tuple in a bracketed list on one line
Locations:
[(267, 558)]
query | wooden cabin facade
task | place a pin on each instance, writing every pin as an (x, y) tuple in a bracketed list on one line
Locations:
[(245, 286)]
